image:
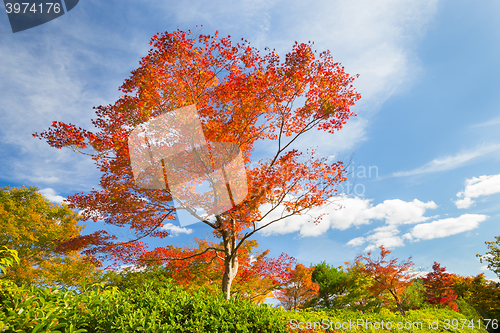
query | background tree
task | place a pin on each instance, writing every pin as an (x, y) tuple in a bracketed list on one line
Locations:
[(358, 297), (389, 278), (33, 226), (259, 274), (299, 290), (241, 97), (482, 294), (332, 282), (413, 296), (136, 278), (492, 257), (438, 289)]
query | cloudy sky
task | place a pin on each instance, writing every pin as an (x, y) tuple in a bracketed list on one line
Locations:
[(425, 177)]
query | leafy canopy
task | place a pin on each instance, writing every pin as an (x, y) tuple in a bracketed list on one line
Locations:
[(242, 97), (438, 288), (299, 290), (33, 226), (332, 282), (390, 279), (492, 257)]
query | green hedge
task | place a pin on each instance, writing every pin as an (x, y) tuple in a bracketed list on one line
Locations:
[(170, 309), (147, 310)]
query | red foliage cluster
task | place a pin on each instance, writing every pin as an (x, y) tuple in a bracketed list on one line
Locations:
[(438, 288)]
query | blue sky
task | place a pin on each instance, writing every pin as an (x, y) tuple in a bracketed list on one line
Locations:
[(425, 143)]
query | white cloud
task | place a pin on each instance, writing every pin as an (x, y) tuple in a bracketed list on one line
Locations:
[(447, 227), (354, 212), (46, 79), (477, 187), (449, 162), (464, 203), (51, 195), (385, 235), (375, 39), (132, 268), (356, 241), (175, 229), (490, 122)]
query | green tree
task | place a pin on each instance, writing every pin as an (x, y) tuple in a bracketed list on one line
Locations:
[(33, 226), (332, 282), (358, 296), (413, 296), (136, 278), (492, 257)]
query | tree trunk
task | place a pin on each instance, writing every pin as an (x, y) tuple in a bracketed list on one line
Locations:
[(230, 271), (398, 304), (230, 264)]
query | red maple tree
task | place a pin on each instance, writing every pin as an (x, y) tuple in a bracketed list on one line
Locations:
[(387, 275), (438, 288), (241, 97)]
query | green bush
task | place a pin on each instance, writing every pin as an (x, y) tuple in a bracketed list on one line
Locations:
[(148, 310), (170, 309)]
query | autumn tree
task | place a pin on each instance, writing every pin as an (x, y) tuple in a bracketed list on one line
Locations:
[(388, 276), (438, 289), (492, 257), (261, 275), (299, 290), (482, 294), (242, 98), (332, 281), (357, 295), (33, 226)]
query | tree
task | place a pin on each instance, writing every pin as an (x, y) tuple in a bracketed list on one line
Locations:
[(388, 276), (33, 226), (492, 257), (241, 98), (299, 289), (482, 294), (438, 288), (261, 276), (332, 282), (413, 296), (358, 295)]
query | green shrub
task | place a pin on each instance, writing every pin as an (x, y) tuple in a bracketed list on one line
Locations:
[(170, 309), (166, 309)]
